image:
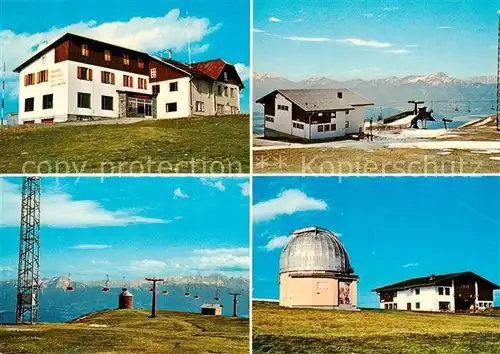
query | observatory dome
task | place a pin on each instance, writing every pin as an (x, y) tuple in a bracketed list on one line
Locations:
[(314, 249)]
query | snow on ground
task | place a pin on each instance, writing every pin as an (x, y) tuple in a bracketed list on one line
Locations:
[(414, 134), (496, 158), (459, 145), (98, 325), (10, 329)]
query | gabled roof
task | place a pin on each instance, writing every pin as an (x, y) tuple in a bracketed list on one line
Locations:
[(62, 39), (185, 68), (212, 68), (311, 100), (433, 280)]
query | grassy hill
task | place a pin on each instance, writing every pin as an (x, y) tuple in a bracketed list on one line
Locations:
[(125, 331), (209, 144), (283, 330)]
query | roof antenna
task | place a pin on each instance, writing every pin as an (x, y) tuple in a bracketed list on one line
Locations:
[(189, 38)]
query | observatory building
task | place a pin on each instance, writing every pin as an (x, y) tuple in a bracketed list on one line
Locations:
[(315, 272)]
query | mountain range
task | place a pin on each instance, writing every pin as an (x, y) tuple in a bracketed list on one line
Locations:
[(395, 92), (59, 305)]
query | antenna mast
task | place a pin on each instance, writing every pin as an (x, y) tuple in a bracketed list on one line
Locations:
[(28, 279), (189, 37)]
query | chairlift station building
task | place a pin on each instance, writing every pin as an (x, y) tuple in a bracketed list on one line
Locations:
[(78, 78)]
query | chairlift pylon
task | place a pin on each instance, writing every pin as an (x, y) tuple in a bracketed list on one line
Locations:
[(105, 289)]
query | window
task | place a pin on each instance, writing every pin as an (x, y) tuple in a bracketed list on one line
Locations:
[(386, 306), (107, 77), (128, 81), (320, 114), (140, 63), (83, 100), (327, 128), (174, 86), (232, 92), (126, 60), (48, 101), (447, 291), (107, 55), (219, 90), (225, 76), (417, 305), (29, 79), (320, 128), (440, 291), (346, 113), (395, 306), (220, 109), (142, 83), (172, 107), (347, 125), (84, 73), (339, 95), (156, 89), (333, 114), (152, 73), (270, 119), (234, 110), (444, 306), (43, 76), (200, 106), (334, 127), (417, 291), (282, 107), (85, 50), (29, 104), (298, 125), (225, 91), (107, 103)]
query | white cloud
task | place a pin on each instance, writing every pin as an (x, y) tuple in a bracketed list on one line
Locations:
[(217, 258), (178, 217), (90, 247), (309, 39), (59, 209), (274, 19), (245, 188), (412, 45), (398, 51), (178, 194), (277, 242), (256, 30), (100, 262), (6, 268), (364, 43), (197, 49), (286, 203), (243, 71), (410, 265), (146, 265), (217, 184), (147, 34), (391, 8), (444, 27)]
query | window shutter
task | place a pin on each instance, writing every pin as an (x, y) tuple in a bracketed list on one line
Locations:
[(112, 78), (25, 80), (124, 80), (131, 81), (79, 72), (90, 74), (38, 77), (102, 76), (145, 84)]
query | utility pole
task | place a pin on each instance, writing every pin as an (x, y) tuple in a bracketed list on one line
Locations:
[(28, 271), (153, 290), (235, 301), (498, 74)]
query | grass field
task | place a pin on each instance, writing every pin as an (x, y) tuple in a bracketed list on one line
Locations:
[(349, 160), (282, 330), (131, 332), (209, 144)]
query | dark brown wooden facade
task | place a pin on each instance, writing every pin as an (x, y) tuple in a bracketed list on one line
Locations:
[(164, 72)]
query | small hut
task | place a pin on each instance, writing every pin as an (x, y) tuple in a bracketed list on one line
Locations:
[(125, 300), (211, 309)]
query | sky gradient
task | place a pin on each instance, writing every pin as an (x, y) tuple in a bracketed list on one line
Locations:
[(394, 228), (132, 227), (348, 39)]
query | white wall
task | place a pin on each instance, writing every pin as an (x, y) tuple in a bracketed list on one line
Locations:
[(428, 298), (339, 119), (227, 101), (356, 119), (282, 119), (181, 96), (56, 85), (97, 89), (202, 91)]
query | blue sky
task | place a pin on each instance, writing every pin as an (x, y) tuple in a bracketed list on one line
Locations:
[(394, 228), (219, 28), (346, 39), (132, 227)]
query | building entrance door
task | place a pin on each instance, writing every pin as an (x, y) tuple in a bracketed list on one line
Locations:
[(148, 112), (408, 306)]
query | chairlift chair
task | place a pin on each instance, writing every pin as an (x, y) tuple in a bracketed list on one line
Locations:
[(187, 293), (164, 292), (105, 289), (70, 285)]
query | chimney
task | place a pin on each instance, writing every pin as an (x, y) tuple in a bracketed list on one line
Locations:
[(170, 54)]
